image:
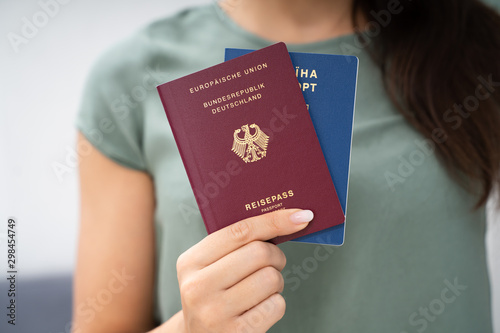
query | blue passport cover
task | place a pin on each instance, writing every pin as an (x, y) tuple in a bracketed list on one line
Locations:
[(328, 83)]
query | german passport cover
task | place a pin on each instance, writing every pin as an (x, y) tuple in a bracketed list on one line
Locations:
[(248, 143), (328, 83)]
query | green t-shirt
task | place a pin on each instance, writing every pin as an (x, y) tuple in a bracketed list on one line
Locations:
[(414, 253)]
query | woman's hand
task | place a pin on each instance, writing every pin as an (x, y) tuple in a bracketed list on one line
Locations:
[(231, 280)]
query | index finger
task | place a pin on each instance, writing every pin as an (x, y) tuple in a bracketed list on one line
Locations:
[(262, 227)]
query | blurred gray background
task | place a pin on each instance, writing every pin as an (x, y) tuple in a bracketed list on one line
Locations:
[(41, 83)]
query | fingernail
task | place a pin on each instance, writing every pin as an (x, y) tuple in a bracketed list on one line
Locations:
[(302, 217)]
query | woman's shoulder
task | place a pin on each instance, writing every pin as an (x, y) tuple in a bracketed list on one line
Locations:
[(189, 20), (134, 54), (494, 3)]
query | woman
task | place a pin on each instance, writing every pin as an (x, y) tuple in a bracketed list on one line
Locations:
[(425, 157)]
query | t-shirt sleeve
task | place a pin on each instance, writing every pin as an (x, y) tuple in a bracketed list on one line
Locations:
[(494, 3), (109, 117)]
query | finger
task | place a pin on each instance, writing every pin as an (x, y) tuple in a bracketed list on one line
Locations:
[(252, 290), (263, 316), (243, 262), (262, 227)]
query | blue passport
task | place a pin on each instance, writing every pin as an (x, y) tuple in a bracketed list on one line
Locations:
[(328, 83)]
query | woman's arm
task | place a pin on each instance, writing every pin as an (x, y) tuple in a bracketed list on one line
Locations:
[(114, 279), (226, 280)]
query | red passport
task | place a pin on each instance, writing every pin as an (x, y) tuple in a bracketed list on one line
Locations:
[(248, 143)]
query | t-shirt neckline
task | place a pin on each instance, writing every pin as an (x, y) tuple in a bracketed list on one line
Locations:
[(227, 21)]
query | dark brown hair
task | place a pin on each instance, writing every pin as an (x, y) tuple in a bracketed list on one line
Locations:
[(440, 61)]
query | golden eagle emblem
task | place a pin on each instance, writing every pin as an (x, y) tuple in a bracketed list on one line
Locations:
[(252, 147)]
